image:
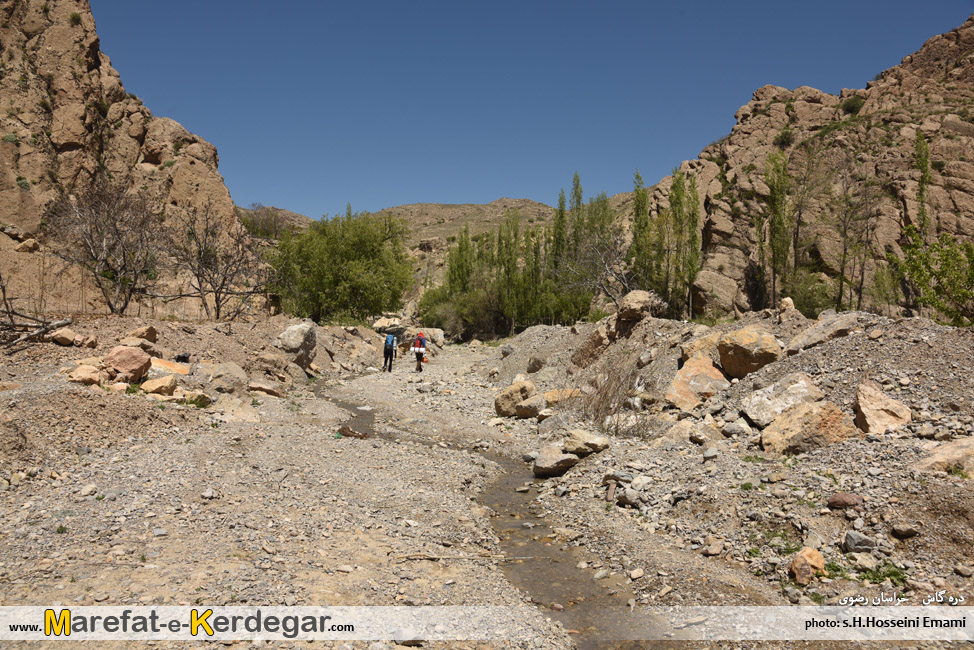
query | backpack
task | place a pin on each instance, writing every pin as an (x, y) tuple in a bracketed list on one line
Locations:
[(420, 342), (390, 341)]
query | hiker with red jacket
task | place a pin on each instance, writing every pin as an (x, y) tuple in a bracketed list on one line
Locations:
[(419, 347)]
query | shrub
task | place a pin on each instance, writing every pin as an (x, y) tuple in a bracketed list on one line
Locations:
[(75, 19), (785, 138), (853, 105), (938, 165), (23, 183), (12, 138)]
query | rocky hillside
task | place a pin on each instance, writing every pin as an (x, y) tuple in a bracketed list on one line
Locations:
[(874, 128), (69, 118)]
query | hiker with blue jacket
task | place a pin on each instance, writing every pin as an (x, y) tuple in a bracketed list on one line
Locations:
[(392, 344)]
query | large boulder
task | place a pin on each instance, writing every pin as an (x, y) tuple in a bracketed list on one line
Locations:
[(505, 404), (875, 412), (64, 336), (530, 408), (638, 304), (87, 375), (696, 381), (954, 455), (147, 332), (806, 563), (701, 345), (226, 377), (766, 404), (552, 462), (828, 328), (553, 397), (161, 385), (807, 426), (746, 350), (130, 364), (583, 443), (299, 342)]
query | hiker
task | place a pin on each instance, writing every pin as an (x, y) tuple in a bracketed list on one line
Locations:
[(392, 343), (419, 347)]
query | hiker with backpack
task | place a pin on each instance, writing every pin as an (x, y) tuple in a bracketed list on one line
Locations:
[(392, 343), (419, 347)]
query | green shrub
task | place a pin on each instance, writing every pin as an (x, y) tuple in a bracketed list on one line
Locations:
[(852, 105), (938, 165), (884, 571), (12, 138), (23, 183), (75, 19), (785, 138)]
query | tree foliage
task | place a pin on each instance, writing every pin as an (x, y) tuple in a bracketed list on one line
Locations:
[(353, 265)]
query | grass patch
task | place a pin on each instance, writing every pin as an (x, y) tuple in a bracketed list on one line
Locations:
[(754, 551), (61, 529), (133, 389), (958, 472), (883, 572), (755, 459), (747, 487), (816, 598), (835, 570)]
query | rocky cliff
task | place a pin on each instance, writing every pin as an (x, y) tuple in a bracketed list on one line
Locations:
[(868, 131), (68, 118)]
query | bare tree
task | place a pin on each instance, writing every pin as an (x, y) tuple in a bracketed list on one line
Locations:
[(220, 256), (111, 233), (600, 265)]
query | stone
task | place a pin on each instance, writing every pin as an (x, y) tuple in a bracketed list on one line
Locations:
[(88, 490), (555, 397), (583, 443), (535, 364), (506, 401), (638, 304), (786, 304), (877, 413), (863, 561), (169, 367), (954, 455), (195, 397), (299, 343), (766, 404), (381, 325), (64, 336), (131, 364), (545, 413), (554, 423), (827, 328), (530, 408), (87, 375), (209, 494), (700, 345), (261, 385), (738, 427), (695, 382), (160, 532), (506, 350), (805, 564), (806, 427), (551, 461), (746, 350), (147, 332), (28, 246), (843, 500), (713, 549), (856, 542), (636, 574), (90, 341), (161, 386), (226, 377), (904, 530), (963, 571), (711, 453)]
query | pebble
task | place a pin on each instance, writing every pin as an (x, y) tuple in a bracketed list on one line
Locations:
[(160, 532)]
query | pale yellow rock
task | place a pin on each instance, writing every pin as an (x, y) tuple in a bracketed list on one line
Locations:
[(160, 386)]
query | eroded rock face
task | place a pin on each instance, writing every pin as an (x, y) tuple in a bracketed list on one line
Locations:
[(746, 350), (806, 427), (876, 412), (766, 404)]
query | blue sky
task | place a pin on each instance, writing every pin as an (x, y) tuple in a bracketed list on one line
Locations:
[(315, 104)]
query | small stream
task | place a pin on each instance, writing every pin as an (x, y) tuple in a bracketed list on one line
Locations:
[(598, 614)]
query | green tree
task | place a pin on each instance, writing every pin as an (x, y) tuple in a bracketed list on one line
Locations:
[(576, 214), (778, 218), (559, 244)]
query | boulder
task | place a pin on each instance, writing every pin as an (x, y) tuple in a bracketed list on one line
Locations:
[(805, 564), (64, 336), (875, 412), (227, 377), (299, 342), (554, 397), (267, 386), (638, 304), (827, 328), (387, 325), (954, 455), (506, 351), (583, 443), (786, 304), (552, 462), (161, 386), (27, 246), (435, 335), (696, 381), (87, 375), (130, 363), (169, 367), (766, 404), (535, 364), (807, 426), (147, 332), (530, 408), (748, 349), (701, 345), (505, 404), (554, 423), (843, 500), (856, 542)]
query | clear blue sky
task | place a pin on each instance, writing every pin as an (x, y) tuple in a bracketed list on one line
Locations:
[(313, 104)]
